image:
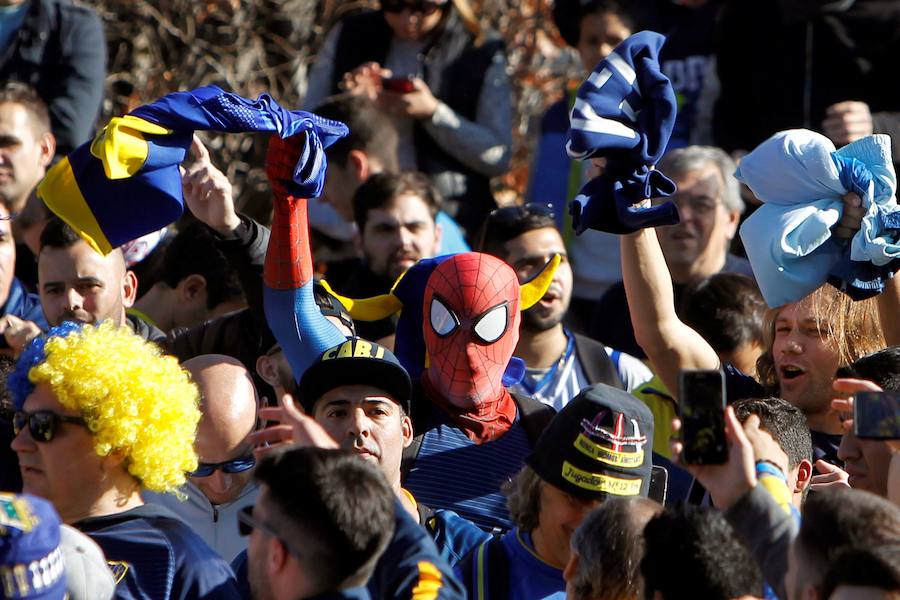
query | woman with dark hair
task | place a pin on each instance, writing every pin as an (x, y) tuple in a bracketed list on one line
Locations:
[(430, 66)]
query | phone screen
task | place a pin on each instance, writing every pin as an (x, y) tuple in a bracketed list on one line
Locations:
[(659, 484), (404, 85), (702, 405), (876, 415)]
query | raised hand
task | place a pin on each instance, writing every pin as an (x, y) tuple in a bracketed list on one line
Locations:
[(18, 332), (291, 426), (851, 217), (207, 192), (364, 80), (829, 476), (729, 482)]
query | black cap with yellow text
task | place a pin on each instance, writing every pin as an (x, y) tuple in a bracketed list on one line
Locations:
[(356, 362), (598, 445)]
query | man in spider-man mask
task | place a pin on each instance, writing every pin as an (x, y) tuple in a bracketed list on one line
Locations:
[(472, 435), (460, 317)]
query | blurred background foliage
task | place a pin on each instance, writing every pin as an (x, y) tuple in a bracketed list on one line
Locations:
[(255, 46)]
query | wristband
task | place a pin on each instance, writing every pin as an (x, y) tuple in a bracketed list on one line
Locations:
[(771, 468)]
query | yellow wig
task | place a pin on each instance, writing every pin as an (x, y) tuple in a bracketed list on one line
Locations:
[(135, 400)]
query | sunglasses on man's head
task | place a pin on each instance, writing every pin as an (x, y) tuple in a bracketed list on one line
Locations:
[(235, 465), (516, 212), (42, 424), (506, 222), (425, 7)]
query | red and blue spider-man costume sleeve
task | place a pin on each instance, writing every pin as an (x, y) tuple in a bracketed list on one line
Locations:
[(291, 311)]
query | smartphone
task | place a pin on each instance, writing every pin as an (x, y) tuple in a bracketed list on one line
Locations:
[(402, 85), (659, 484), (701, 400), (876, 415)]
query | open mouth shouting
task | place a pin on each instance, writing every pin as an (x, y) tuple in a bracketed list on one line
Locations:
[(790, 372)]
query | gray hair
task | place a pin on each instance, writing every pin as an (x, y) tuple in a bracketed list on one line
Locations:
[(693, 158), (609, 544)]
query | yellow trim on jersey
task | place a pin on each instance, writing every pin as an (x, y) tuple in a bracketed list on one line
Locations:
[(429, 584), (660, 402)]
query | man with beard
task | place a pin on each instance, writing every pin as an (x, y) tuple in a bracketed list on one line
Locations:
[(395, 215), (77, 283), (558, 363), (321, 522), (370, 148)]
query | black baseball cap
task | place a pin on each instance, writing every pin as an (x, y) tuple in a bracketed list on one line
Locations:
[(600, 444), (355, 362)]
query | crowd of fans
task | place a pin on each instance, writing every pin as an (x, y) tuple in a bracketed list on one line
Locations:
[(399, 389)]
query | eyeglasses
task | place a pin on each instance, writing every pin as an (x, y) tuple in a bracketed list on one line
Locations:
[(42, 424), (700, 207), (235, 465), (507, 222), (247, 523), (425, 7)]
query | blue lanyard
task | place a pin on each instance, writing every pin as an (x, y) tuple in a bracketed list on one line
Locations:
[(551, 374)]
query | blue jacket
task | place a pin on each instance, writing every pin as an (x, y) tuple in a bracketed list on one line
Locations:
[(517, 571), (453, 535), (411, 563), (60, 51), (24, 305), (155, 556)]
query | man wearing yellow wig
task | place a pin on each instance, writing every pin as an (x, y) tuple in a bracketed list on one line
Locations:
[(101, 415)]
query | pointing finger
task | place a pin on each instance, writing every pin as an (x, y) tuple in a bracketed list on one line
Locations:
[(198, 149)]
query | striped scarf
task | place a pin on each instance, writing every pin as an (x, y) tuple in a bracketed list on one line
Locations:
[(624, 112)]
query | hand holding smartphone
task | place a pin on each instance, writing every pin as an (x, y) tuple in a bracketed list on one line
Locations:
[(401, 85), (876, 415), (701, 401)]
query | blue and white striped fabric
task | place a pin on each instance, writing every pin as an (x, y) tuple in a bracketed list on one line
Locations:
[(451, 472), (624, 111), (800, 178)]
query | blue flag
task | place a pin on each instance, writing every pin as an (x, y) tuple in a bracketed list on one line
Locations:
[(624, 112), (126, 182)]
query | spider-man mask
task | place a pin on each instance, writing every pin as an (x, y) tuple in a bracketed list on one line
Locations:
[(471, 327)]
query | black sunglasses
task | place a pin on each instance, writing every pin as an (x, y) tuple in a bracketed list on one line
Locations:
[(235, 465), (425, 7), (247, 523), (42, 424)]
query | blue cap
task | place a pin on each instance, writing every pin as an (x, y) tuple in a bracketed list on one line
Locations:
[(31, 563)]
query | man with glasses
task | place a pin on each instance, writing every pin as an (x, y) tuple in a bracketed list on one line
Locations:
[(710, 206), (559, 363), (222, 483), (103, 415), (319, 526)]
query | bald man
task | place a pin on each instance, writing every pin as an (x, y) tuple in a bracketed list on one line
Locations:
[(77, 283), (222, 483)]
